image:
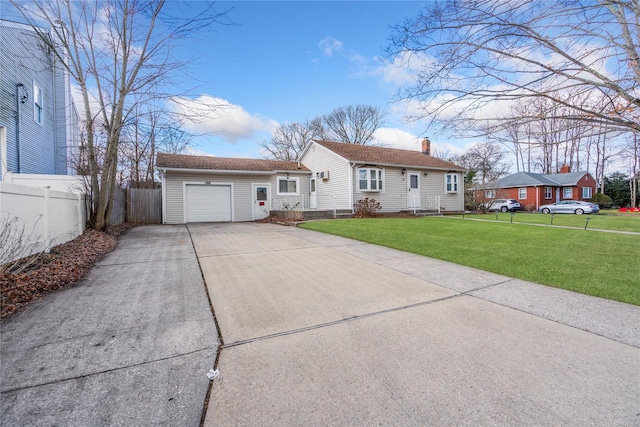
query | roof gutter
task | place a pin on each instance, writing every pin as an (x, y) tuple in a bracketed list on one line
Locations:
[(396, 165), (223, 171)]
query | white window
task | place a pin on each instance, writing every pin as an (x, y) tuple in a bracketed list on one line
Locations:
[(369, 179), (548, 192), (567, 193), (489, 194), (586, 192), (290, 186), (451, 182), (522, 193), (37, 103)]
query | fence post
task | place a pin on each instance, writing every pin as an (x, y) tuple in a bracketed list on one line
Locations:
[(79, 211), (45, 224)]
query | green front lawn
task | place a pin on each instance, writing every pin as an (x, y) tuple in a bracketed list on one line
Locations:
[(594, 263)]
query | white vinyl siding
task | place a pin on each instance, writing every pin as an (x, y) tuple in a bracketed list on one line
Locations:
[(242, 192), (318, 158)]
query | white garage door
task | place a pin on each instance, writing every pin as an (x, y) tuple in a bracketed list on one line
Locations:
[(208, 203)]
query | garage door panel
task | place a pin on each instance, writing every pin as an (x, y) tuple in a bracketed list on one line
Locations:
[(208, 203)]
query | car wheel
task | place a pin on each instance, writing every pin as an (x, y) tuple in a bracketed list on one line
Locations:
[(579, 211), (546, 210), (504, 209)]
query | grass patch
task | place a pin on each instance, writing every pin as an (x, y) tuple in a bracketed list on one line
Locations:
[(599, 264), (621, 222)]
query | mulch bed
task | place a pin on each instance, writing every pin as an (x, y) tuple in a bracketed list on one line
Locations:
[(31, 277)]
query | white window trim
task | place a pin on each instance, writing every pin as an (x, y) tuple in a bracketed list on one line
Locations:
[(564, 193), (520, 195), (455, 183), (489, 194), (39, 120), (284, 178), (590, 192), (550, 193), (380, 180)]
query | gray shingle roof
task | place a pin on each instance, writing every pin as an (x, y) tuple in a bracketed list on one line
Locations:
[(183, 161), (387, 156), (529, 179)]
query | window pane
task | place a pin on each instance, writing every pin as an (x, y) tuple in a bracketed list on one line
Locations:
[(261, 193), (282, 186), (362, 179), (292, 186), (522, 193), (413, 181), (567, 192), (374, 178)]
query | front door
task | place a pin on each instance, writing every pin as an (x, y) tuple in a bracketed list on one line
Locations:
[(413, 190), (313, 198), (261, 202)]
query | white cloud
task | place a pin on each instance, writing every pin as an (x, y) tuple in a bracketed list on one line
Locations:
[(211, 115), (398, 138), (330, 45)]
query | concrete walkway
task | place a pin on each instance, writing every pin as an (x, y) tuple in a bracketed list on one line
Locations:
[(129, 345), (322, 330)]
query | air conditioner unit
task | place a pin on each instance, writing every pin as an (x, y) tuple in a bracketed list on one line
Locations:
[(324, 175)]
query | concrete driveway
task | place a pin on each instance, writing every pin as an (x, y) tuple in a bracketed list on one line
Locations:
[(322, 330), (129, 345)]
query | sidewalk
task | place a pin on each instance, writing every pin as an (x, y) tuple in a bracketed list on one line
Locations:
[(130, 344)]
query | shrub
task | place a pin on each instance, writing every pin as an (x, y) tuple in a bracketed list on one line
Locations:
[(602, 200), (366, 208)]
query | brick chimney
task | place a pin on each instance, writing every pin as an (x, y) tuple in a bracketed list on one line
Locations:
[(565, 169), (426, 146)]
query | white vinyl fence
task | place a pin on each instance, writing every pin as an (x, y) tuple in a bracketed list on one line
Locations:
[(34, 219)]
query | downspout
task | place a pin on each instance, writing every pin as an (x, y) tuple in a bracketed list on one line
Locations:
[(163, 182), (351, 187), (18, 160)]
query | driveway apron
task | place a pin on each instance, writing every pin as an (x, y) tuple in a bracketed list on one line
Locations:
[(323, 330)]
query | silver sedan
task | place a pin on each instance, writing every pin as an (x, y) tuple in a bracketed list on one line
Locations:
[(570, 206)]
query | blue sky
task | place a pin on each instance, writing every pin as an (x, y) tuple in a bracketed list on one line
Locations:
[(290, 61), (278, 62)]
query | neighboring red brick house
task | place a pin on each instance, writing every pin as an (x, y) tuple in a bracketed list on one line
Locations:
[(535, 189)]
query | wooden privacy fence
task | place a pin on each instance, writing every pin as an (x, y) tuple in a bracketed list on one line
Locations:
[(144, 205)]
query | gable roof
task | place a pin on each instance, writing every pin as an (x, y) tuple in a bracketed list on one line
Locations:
[(530, 179), (183, 161), (387, 156)]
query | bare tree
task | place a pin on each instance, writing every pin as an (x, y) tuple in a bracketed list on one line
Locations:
[(351, 124), (486, 160), (118, 52), (289, 140), (147, 134), (478, 57)]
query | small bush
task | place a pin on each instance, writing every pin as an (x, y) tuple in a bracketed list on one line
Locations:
[(367, 208), (602, 200)]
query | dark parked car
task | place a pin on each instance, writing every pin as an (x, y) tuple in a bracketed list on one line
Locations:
[(570, 206), (503, 205)]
